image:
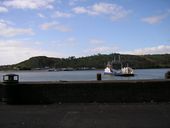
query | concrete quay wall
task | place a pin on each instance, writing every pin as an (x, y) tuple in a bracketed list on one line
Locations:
[(86, 91)]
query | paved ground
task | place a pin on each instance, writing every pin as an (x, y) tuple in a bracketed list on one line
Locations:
[(92, 115)]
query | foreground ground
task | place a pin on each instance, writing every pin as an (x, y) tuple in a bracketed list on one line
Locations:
[(91, 115)]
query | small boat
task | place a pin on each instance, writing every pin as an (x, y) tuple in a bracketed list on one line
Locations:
[(109, 70), (125, 71)]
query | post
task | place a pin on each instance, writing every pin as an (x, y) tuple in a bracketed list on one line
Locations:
[(11, 90), (167, 75), (99, 76)]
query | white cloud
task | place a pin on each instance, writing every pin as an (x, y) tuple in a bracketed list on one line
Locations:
[(3, 9), (80, 10), (55, 25), (114, 11), (154, 19), (13, 51), (8, 31), (71, 41), (41, 15), (97, 45), (5, 22), (29, 4), (161, 49), (74, 2), (101, 49), (58, 14), (62, 44), (96, 41)]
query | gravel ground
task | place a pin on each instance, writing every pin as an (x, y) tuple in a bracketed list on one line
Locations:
[(88, 115)]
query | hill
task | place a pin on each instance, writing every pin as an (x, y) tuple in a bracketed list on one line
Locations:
[(96, 61)]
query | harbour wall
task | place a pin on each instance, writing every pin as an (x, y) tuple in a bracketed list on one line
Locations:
[(120, 91)]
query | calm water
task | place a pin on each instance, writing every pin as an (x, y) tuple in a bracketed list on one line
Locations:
[(84, 75)]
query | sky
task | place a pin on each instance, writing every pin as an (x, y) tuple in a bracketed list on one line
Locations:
[(63, 28)]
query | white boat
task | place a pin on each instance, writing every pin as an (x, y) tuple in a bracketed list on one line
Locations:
[(109, 70), (125, 71)]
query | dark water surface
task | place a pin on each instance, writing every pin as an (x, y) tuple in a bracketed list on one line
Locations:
[(84, 75)]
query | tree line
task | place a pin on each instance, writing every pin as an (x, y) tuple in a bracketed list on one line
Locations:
[(98, 61)]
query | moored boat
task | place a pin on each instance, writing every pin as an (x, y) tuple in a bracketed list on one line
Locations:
[(125, 71), (109, 70)]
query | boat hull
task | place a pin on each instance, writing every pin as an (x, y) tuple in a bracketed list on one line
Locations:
[(118, 74), (125, 75), (109, 73)]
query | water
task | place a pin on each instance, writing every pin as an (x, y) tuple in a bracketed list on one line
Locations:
[(84, 75)]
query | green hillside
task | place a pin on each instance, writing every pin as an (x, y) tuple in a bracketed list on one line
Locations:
[(96, 61)]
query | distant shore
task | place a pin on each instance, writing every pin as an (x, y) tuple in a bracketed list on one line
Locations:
[(92, 62)]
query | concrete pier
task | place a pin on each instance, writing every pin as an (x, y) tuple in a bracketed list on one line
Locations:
[(86, 115), (125, 91), (82, 104)]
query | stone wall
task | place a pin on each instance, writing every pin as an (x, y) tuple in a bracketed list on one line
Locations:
[(86, 91)]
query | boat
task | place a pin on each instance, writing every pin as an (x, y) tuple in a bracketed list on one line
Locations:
[(51, 70), (125, 71), (109, 70)]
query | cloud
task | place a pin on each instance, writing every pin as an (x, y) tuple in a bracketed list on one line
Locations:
[(157, 18), (71, 41), (58, 14), (161, 49), (114, 11), (14, 51), (101, 49), (8, 31), (41, 15), (154, 19), (62, 44), (29, 4), (5, 22), (80, 10), (100, 46), (96, 41), (74, 2), (3, 9), (56, 26)]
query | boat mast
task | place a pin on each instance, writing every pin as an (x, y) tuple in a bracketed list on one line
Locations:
[(120, 61)]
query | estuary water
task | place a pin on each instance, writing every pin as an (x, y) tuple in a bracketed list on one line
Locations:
[(87, 75)]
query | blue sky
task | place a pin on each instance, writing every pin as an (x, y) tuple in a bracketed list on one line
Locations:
[(63, 28)]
